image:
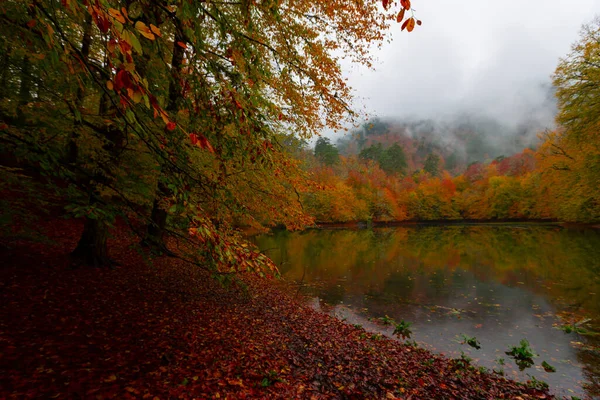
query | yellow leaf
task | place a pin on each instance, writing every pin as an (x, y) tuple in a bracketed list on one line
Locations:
[(137, 97), (109, 85)]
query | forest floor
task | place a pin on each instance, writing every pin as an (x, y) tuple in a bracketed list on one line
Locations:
[(168, 331)]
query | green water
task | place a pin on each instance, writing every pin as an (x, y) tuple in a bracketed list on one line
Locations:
[(499, 283)]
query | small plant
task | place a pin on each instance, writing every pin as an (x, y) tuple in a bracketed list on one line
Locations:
[(522, 354), (577, 327), (363, 336), (270, 379), (387, 320), (547, 367), (402, 329), (471, 341), (377, 336), (536, 384), (464, 361), (428, 363), (483, 370), (500, 370), (265, 383), (359, 326)]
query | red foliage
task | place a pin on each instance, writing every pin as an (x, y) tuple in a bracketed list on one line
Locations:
[(168, 331)]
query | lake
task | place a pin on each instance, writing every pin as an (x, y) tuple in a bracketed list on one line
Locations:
[(498, 283)]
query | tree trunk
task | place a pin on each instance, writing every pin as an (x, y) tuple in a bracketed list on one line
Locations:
[(158, 220), (92, 248)]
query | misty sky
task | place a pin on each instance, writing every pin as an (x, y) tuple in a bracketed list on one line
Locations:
[(477, 56)]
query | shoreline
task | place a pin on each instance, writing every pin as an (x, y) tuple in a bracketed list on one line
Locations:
[(474, 222)]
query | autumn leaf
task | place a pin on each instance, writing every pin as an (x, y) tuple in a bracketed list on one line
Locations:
[(171, 126), (116, 14), (400, 16), (405, 4), (411, 24), (143, 29), (155, 30), (405, 24)]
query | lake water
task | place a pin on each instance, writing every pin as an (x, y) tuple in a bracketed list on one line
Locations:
[(498, 283)]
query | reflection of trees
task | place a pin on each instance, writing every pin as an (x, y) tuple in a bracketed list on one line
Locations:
[(385, 258)]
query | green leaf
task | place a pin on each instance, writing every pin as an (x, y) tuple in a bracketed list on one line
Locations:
[(133, 40)]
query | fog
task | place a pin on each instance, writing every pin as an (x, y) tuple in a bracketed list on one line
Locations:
[(480, 58)]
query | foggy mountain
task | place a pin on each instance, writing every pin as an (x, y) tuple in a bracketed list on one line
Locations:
[(461, 138)]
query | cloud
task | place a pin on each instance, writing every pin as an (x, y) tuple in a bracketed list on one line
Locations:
[(477, 56)]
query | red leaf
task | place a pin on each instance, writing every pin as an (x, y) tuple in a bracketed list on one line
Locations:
[(405, 24), (31, 23), (405, 4), (419, 22), (171, 125), (205, 144), (193, 138), (122, 80)]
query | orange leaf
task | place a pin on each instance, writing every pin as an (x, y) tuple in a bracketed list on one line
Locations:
[(405, 4), (181, 44), (109, 85), (143, 29), (400, 16), (411, 24), (124, 12), (31, 23), (171, 126), (155, 30), (116, 14)]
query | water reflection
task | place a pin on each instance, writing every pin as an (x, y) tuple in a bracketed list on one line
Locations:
[(498, 283)]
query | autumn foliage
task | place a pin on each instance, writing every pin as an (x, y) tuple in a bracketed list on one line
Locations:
[(559, 179)]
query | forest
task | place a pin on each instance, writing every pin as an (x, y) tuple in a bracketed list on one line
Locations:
[(158, 133)]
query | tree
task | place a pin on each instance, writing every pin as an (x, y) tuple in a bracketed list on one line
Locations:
[(570, 156), (393, 160), (191, 97), (373, 152), (432, 164), (326, 152)]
